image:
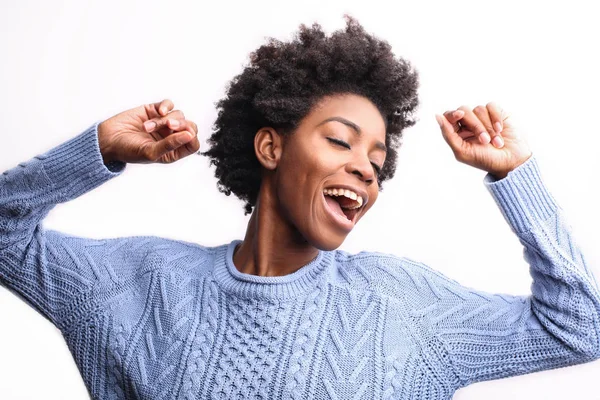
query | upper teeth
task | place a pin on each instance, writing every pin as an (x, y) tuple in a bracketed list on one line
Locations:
[(347, 193)]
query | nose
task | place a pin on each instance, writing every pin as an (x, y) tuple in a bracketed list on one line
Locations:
[(361, 167)]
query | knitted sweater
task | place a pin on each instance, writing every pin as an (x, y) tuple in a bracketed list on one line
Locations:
[(147, 317)]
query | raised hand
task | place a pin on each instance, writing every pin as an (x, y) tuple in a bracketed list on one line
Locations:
[(484, 138), (151, 133)]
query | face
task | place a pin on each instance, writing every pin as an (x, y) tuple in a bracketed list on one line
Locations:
[(326, 175)]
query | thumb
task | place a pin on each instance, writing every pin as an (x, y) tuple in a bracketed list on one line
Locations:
[(452, 138), (175, 140)]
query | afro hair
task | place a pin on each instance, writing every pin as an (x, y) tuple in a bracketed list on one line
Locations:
[(284, 80)]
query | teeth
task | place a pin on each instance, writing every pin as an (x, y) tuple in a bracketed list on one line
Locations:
[(346, 193)]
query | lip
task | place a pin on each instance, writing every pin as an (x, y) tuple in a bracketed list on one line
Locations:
[(345, 223), (356, 190)]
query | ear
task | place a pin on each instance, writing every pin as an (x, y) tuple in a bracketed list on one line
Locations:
[(267, 146)]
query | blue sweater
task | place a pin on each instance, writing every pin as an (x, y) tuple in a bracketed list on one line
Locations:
[(153, 318)]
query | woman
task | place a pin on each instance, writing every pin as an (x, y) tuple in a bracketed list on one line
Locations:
[(306, 136)]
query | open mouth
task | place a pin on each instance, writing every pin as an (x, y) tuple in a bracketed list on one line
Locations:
[(344, 204)]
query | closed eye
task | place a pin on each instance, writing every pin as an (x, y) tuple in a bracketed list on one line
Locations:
[(339, 142)]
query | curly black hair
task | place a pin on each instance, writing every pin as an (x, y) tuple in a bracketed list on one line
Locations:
[(284, 80)]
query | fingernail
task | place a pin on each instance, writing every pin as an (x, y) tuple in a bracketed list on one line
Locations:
[(174, 123), (498, 127), (149, 126), (439, 120), (498, 142), (163, 110), (458, 113), (485, 136)]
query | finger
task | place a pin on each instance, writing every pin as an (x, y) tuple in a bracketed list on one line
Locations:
[(165, 106), (482, 113), (471, 123), (453, 116), (194, 145), (155, 150), (190, 148), (450, 135), (497, 116), (158, 123), (183, 125)]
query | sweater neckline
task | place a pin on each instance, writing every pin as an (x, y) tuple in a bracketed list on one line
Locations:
[(268, 287)]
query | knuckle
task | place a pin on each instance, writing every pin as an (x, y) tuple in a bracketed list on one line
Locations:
[(164, 120), (147, 152), (158, 121), (479, 109), (170, 145), (187, 126), (177, 114)]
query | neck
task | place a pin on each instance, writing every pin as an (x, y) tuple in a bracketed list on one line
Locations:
[(272, 246)]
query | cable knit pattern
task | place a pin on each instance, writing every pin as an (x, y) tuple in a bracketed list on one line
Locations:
[(154, 318)]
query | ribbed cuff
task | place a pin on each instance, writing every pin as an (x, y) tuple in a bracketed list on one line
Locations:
[(522, 196), (76, 166)]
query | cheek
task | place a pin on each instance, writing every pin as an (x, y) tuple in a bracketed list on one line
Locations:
[(292, 183), (304, 168), (373, 195), (300, 177)]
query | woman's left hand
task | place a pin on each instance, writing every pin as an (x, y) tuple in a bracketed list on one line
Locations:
[(484, 138)]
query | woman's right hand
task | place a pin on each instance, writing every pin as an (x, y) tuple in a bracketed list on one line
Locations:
[(131, 138)]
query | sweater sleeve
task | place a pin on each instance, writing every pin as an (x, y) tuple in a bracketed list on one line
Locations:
[(42, 266), (483, 336)]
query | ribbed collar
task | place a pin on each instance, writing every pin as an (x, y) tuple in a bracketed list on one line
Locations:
[(268, 287)]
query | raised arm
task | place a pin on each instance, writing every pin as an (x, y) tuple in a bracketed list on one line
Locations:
[(49, 269), (483, 336)]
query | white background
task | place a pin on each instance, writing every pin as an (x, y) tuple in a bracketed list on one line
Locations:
[(67, 64)]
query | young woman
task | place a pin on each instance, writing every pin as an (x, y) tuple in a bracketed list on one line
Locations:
[(306, 136)]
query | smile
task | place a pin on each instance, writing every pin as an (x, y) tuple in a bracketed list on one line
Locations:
[(343, 205)]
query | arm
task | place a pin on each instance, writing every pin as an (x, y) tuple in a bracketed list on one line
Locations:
[(37, 264), (485, 336), (49, 269)]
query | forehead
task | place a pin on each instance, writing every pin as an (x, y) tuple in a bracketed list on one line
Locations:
[(357, 109)]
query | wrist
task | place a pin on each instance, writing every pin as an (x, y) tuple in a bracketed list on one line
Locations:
[(499, 175), (504, 173), (104, 144)]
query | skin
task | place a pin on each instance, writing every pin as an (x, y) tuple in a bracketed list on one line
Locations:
[(290, 221)]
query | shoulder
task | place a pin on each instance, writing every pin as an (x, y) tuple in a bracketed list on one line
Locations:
[(388, 274), (129, 256)]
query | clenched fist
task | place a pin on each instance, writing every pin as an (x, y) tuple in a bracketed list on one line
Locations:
[(151, 133), (484, 138)]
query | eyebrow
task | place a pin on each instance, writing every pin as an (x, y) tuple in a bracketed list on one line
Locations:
[(354, 127)]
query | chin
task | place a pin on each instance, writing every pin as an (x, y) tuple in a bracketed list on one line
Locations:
[(326, 242)]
